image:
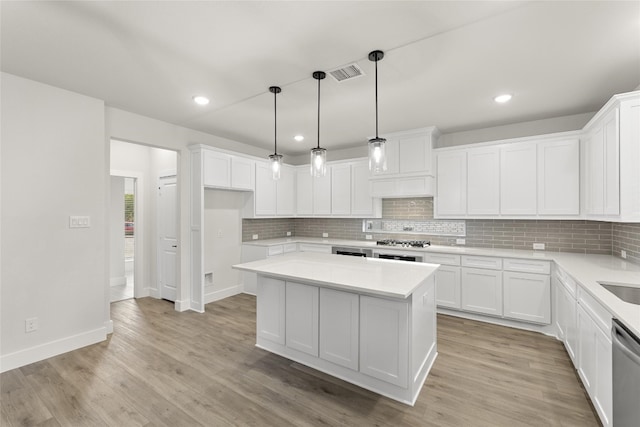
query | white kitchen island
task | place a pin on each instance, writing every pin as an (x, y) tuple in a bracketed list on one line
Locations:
[(367, 321)]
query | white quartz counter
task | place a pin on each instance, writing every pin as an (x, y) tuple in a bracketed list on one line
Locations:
[(396, 279), (585, 269)]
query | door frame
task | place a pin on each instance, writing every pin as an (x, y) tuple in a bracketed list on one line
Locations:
[(167, 174), (138, 234)]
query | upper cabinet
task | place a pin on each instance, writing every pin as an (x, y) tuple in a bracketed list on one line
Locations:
[(612, 176), (227, 171), (409, 165), (525, 178), (273, 198)]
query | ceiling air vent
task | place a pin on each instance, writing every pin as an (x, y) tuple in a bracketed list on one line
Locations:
[(347, 72)]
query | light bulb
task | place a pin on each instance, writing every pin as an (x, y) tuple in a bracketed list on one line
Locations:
[(276, 165), (377, 155), (318, 162)]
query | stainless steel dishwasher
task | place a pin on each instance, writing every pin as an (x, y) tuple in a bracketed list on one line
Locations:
[(626, 376)]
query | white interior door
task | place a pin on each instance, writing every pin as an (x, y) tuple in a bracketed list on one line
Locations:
[(168, 238)]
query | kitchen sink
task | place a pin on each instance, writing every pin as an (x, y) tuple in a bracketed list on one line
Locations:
[(626, 292)]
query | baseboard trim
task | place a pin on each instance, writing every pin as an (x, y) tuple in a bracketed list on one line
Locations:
[(222, 293), (182, 305), (44, 351), (108, 326)]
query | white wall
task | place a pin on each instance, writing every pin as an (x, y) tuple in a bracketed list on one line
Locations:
[(116, 235), (53, 166), (222, 242)]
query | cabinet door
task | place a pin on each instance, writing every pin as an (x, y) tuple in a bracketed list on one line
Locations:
[(384, 339), (603, 396), (265, 192), (361, 200), (587, 367), (595, 172), (304, 191), (270, 309), (341, 189), (242, 173), (285, 192), (302, 318), (217, 169), (483, 181), (527, 297), (451, 183), (414, 153), (559, 310), (339, 325), (322, 194), (571, 328), (559, 177), (611, 163), (518, 183), (482, 291), (448, 286)]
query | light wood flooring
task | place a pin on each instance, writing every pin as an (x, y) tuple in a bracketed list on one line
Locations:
[(164, 368)]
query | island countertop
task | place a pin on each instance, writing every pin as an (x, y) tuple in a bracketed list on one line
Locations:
[(395, 279)]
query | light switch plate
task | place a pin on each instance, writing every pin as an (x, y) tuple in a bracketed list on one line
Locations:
[(79, 221), (461, 241)]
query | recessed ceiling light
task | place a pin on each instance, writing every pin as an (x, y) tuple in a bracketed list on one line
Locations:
[(299, 138), (201, 100), (501, 99)]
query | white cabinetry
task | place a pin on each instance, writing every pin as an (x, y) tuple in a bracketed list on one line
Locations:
[(447, 279), (312, 247), (482, 291), (304, 191), (270, 310), (274, 197), (285, 192), (527, 296), (341, 189), (222, 170), (313, 193), (559, 177), (451, 192), (612, 156), (302, 318), (361, 201), (409, 165), (483, 181), (518, 184), (322, 194), (594, 354), (339, 326), (384, 328)]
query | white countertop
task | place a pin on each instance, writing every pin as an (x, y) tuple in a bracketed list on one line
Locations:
[(586, 269), (396, 279)]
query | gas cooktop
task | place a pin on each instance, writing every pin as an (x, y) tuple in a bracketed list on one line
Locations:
[(404, 243)]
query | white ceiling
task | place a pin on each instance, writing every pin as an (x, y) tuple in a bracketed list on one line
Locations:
[(444, 61)]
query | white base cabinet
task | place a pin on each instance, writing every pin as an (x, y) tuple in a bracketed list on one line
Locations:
[(482, 291), (527, 297), (382, 344)]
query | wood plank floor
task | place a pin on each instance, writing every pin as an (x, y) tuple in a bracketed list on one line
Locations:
[(164, 368)]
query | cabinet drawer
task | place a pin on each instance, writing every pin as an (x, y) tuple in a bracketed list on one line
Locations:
[(596, 311), (309, 247), (444, 259), (527, 266), (275, 250), (482, 262)]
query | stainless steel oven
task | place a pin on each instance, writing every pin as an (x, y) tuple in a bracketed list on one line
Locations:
[(361, 252), (398, 257), (626, 376)]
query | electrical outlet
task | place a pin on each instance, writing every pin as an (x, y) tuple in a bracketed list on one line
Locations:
[(288, 233), (254, 237), (31, 324), (368, 236), (538, 246), (623, 254), (325, 234), (461, 242)]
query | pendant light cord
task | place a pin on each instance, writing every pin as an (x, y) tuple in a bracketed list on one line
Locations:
[(275, 124), (318, 113), (376, 61)]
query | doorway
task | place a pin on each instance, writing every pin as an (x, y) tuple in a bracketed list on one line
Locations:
[(167, 237), (123, 241)]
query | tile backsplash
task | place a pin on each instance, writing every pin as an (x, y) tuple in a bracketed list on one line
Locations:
[(580, 236)]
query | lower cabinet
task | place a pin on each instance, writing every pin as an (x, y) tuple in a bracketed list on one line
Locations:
[(527, 297), (270, 308), (482, 291), (384, 337), (339, 326), (565, 314), (448, 286), (302, 317)]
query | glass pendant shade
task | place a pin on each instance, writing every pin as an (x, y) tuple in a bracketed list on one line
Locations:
[(377, 155), (318, 162), (276, 165)]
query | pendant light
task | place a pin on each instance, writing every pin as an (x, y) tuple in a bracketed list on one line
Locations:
[(377, 154), (275, 158), (318, 159)]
